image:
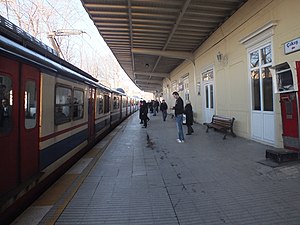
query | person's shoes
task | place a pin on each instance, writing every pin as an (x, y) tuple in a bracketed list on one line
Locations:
[(187, 134), (180, 141), (144, 127)]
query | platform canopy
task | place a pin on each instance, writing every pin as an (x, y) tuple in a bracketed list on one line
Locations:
[(150, 38)]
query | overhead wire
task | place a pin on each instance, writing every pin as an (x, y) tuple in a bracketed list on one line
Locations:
[(51, 5)]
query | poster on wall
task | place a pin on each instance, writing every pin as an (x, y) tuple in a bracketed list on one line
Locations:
[(180, 86)]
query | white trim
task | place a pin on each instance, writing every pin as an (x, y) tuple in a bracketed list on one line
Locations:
[(185, 76), (259, 35), (262, 114)]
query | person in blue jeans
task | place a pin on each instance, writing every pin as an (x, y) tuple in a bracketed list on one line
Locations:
[(179, 109)]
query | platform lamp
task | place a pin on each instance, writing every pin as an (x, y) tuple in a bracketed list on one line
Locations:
[(221, 58)]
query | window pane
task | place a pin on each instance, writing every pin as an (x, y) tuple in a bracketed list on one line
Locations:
[(211, 96), (255, 78), (186, 96), (254, 59), (116, 103), (106, 104), (123, 102), (6, 104), (62, 105), (208, 75), (285, 81), (266, 56), (267, 89), (78, 104), (100, 104), (30, 104), (206, 97)]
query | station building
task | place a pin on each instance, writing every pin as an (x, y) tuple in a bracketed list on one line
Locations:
[(236, 73)]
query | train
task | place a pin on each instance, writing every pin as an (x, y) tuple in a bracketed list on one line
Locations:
[(51, 114)]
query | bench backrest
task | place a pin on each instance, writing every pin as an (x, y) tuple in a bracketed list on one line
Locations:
[(222, 121)]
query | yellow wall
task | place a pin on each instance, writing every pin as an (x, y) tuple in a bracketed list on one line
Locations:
[(231, 81)]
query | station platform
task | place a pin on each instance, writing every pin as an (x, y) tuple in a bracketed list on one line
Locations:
[(143, 176)]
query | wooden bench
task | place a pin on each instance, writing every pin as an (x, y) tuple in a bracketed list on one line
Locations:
[(221, 123)]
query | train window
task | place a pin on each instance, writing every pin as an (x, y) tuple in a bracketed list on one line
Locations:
[(78, 104), (123, 102), (100, 104), (116, 103), (106, 104), (63, 104), (30, 104), (6, 104)]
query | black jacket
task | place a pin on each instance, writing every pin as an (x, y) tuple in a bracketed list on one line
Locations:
[(163, 106), (143, 111), (179, 106), (188, 111)]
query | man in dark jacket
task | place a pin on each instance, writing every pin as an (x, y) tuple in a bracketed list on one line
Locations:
[(179, 108), (188, 111), (144, 112), (141, 105), (163, 109)]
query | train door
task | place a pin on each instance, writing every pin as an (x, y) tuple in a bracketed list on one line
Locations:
[(9, 124), (29, 122), (91, 115)]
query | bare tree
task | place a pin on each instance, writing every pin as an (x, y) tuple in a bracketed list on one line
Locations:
[(39, 17)]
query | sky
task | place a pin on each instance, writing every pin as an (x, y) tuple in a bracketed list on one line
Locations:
[(70, 14)]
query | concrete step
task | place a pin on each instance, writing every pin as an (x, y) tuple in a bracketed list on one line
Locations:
[(282, 155)]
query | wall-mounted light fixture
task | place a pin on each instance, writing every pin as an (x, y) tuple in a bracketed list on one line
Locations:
[(222, 58)]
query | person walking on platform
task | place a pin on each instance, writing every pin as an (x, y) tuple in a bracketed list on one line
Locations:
[(179, 108), (163, 109), (140, 116), (151, 106), (155, 107), (188, 111), (144, 112)]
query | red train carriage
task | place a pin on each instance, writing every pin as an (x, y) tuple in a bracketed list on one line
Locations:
[(51, 113)]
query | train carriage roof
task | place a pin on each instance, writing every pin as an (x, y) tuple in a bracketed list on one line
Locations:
[(16, 43), (22, 38)]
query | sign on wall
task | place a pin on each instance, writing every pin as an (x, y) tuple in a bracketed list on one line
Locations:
[(292, 46)]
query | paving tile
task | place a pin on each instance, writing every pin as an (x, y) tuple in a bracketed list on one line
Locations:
[(206, 180)]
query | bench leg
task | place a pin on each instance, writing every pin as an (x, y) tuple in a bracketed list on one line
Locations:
[(224, 136), (207, 129), (233, 134)]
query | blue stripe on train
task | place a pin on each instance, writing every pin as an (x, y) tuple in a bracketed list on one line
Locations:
[(101, 125), (57, 150), (115, 118)]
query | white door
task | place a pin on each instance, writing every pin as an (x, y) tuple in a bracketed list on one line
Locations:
[(209, 109), (208, 94), (262, 112), (186, 90)]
